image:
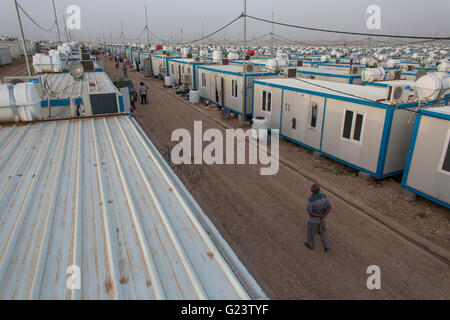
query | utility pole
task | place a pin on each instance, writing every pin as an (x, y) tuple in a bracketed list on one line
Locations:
[(146, 27), (271, 39), (56, 21), (242, 118), (122, 35), (65, 28), (25, 51)]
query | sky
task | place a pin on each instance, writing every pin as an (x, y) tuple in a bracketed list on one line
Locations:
[(182, 20)]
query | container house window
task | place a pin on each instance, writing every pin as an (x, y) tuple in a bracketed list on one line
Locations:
[(234, 88), (188, 70), (444, 165), (353, 125), (266, 101), (204, 80), (173, 72), (313, 112)]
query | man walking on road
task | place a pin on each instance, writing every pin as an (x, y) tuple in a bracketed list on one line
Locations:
[(143, 89), (125, 74), (318, 208)]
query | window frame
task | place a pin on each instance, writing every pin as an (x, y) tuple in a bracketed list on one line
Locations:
[(310, 115), (234, 88), (203, 77), (443, 154), (264, 105), (353, 125)]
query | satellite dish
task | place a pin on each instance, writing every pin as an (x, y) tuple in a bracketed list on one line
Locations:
[(76, 70), (420, 74)]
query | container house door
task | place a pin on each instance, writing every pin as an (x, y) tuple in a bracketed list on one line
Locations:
[(295, 115), (219, 89)]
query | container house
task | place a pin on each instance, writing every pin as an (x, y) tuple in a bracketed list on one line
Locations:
[(363, 127), (224, 85), (427, 169)]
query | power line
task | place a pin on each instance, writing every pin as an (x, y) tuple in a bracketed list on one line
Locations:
[(204, 37), (32, 20), (348, 32)]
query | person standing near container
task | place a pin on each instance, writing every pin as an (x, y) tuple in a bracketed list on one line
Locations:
[(143, 89), (125, 73), (318, 208)]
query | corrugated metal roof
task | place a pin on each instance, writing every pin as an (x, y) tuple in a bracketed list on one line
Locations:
[(96, 193), (62, 85)]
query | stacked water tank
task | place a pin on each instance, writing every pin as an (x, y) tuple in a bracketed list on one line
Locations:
[(20, 102)]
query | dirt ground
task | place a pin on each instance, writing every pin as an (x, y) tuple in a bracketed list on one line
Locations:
[(263, 217)]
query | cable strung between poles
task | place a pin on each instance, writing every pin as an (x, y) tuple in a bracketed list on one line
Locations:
[(347, 32), (32, 20)]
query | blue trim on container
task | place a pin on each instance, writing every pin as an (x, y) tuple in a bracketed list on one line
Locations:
[(60, 102), (121, 106), (351, 77), (332, 157), (384, 141), (412, 145), (435, 114), (323, 122), (331, 96), (281, 113), (424, 195), (253, 98), (245, 95)]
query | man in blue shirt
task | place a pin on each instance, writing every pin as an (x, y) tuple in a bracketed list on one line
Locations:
[(318, 208)]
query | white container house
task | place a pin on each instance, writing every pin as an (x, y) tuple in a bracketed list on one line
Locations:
[(186, 70), (427, 168), (224, 85), (160, 64), (355, 125)]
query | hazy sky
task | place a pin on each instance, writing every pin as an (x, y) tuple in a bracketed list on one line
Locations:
[(167, 18)]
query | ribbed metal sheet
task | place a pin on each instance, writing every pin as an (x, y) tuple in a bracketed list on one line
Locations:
[(97, 194), (62, 85)]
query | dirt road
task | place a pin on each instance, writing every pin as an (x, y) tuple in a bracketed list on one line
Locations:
[(263, 219)]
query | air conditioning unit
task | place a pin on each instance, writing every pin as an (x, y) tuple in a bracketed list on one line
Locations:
[(186, 78), (249, 67), (397, 93), (189, 56)]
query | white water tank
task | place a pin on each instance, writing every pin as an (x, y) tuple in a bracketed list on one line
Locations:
[(185, 52), (260, 122), (27, 101), (7, 103), (444, 66), (276, 65), (324, 58), (233, 56), (373, 74), (432, 86), (217, 55), (194, 96), (56, 61), (168, 81)]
